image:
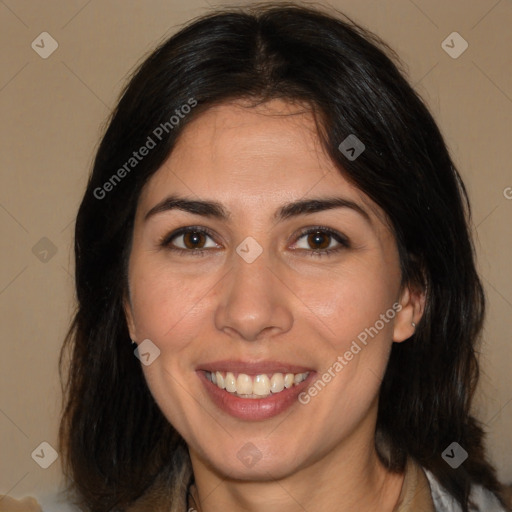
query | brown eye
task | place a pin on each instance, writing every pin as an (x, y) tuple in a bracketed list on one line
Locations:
[(194, 240), (319, 240), (191, 240)]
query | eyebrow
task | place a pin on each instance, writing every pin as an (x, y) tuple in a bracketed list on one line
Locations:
[(216, 210)]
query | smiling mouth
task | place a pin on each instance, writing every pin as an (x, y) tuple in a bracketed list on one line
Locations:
[(257, 386)]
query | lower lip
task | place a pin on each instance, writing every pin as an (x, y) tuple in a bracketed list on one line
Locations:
[(254, 409)]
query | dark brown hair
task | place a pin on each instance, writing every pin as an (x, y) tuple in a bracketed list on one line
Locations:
[(119, 450)]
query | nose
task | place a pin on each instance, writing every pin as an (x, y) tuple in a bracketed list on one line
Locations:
[(254, 303)]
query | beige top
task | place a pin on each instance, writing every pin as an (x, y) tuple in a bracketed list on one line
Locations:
[(9, 504), (415, 495)]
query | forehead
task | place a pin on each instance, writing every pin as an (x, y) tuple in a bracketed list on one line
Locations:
[(241, 155)]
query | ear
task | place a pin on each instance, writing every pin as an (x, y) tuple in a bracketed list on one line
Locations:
[(412, 302), (127, 307)]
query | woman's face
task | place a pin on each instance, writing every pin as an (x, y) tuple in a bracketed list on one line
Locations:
[(247, 291)]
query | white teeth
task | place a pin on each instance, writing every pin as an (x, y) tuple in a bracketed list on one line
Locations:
[(220, 380), (277, 383), (288, 380), (299, 377), (244, 384), (230, 382), (259, 386)]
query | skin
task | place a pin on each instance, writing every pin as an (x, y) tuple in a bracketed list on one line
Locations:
[(286, 305)]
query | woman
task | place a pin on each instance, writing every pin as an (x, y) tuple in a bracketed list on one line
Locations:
[(275, 222)]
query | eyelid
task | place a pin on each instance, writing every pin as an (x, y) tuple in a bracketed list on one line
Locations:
[(166, 239), (342, 240)]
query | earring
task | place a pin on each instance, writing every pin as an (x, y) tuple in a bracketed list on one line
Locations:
[(413, 324)]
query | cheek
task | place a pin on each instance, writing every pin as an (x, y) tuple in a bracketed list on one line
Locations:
[(353, 318), (169, 309), (167, 305), (346, 303)]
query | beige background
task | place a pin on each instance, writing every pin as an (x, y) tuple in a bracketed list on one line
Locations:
[(53, 111)]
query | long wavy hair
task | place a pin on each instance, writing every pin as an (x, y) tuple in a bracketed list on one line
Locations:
[(119, 451)]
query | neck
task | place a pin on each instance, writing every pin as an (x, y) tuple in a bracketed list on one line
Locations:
[(344, 480)]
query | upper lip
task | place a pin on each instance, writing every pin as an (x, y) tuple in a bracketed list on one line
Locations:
[(254, 368)]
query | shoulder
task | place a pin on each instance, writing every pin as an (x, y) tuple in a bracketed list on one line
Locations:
[(483, 499), (47, 502), (55, 502)]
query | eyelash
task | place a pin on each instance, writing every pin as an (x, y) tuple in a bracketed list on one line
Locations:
[(165, 242)]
